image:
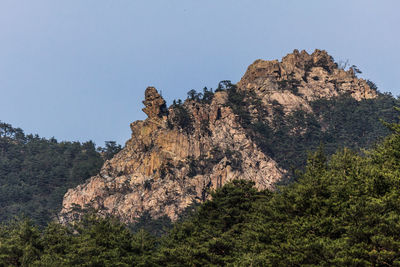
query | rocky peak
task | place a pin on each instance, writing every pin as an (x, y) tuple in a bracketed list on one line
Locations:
[(290, 67), (165, 167), (177, 155), (155, 106), (300, 78), (304, 61)]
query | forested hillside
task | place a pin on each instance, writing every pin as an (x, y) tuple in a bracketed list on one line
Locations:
[(36, 172), (344, 210)]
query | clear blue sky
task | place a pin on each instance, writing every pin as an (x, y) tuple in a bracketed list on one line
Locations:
[(77, 69)]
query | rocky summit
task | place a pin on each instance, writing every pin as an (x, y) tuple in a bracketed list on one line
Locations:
[(179, 154), (300, 78)]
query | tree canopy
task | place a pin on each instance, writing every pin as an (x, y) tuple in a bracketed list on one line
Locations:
[(35, 172)]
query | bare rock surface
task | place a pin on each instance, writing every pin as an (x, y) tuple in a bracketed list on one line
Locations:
[(177, 155), (300, 78)]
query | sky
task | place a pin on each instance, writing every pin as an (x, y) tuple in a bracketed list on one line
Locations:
[(76, 70)]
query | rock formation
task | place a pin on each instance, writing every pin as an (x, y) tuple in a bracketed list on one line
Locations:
[(300, 78), (177, 155)]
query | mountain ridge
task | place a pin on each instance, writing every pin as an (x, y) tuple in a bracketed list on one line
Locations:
[(178, 154)]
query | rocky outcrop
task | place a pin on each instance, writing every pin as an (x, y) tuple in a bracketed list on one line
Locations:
[(300, 78), (163, 168), (155, 106), (177, 155)]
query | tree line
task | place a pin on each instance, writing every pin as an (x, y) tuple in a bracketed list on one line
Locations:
[(36, 172)]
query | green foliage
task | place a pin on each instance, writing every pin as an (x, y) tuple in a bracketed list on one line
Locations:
[(100, 242), (19, 243), (355, 70), (93, 241), (35, 173), (236, 100), (224, 85), (213, 235), (111, 148), (205, 97), (290, 84), (182, 118), (156, 227), (193, 95), (372, 85)]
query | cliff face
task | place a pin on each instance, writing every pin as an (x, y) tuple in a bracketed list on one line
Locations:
[(164, 168), (177, 155)]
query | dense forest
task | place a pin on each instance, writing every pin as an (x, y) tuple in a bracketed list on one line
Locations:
[(343, 210), (36, 172)]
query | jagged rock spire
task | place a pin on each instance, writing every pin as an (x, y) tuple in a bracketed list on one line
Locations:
[(155, 106)]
